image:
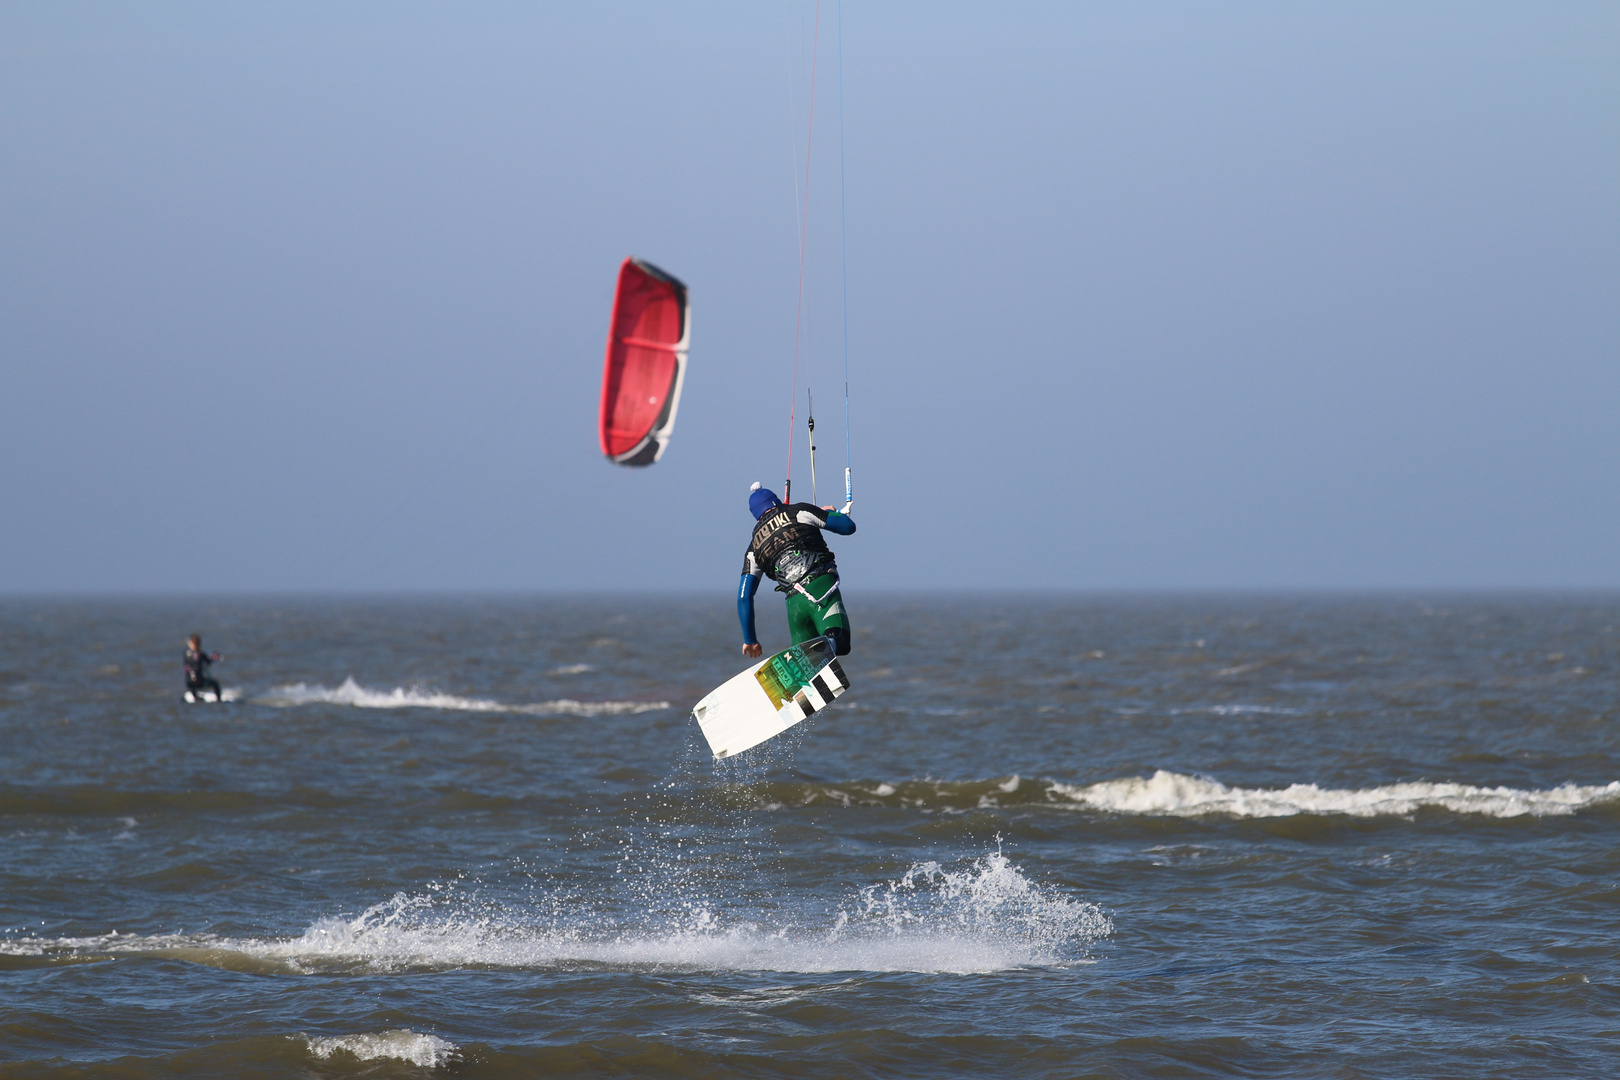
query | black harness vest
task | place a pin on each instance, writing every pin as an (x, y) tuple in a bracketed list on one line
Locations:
[(787, 550)]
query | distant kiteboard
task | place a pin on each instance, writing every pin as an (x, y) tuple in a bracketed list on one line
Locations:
[(770, 697), (646, 364), (208, 697)]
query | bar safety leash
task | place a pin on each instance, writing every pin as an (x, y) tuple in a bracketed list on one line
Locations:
[(810, 413)]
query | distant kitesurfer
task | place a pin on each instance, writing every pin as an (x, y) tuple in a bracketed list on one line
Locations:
[(787, 548), (197, 662)]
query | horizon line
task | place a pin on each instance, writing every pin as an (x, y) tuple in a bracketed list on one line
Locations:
[(620, 592)]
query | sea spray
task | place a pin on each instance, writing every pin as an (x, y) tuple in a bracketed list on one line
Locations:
[(978, 913), (987, 909), (402, 1044)]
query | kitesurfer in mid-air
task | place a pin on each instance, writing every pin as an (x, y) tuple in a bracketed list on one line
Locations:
[(197, 662), (787, 548)]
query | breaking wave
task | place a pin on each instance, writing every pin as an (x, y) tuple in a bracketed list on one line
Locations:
[(1174, 794), (979, 915), (1170, 794), (352, 693), (427, 1051)]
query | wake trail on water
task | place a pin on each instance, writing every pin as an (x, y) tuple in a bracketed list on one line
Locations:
[(983, 915), (352, 693)]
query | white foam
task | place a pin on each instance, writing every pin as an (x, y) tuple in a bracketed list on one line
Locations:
[(985, 916), (569, 707), (352, 693), (979, 915), (427, 1051), (1176, 795), (572, 669), (229, 693), (31, 946)]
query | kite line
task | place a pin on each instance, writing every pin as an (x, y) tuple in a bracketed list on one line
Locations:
[(804, 222), (843, 251)]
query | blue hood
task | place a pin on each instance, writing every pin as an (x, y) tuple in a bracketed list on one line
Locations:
[(761, 500)]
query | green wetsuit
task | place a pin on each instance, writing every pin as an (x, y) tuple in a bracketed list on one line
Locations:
[(809, 619)]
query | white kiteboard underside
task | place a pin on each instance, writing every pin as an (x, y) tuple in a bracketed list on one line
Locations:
[(770, 697)]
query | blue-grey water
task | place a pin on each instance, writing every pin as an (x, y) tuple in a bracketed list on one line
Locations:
[(1116, 836)]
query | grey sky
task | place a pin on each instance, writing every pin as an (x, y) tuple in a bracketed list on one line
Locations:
[(1275, 295)]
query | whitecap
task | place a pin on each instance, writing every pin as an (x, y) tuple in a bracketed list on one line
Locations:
[(427, 1051), (568, 707), (352, 693), (1177, 795)]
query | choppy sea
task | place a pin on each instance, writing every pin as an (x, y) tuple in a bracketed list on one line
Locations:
[(1041, 836)]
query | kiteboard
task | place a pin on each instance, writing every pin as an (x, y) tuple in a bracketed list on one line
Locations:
[(770, 697), (208, 697)]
